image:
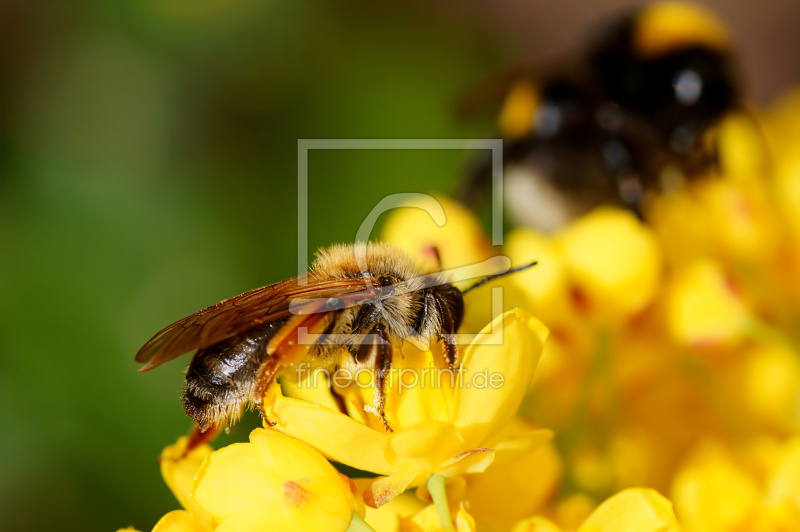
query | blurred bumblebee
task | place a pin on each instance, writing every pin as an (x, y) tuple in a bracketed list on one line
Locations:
[(628, 117)]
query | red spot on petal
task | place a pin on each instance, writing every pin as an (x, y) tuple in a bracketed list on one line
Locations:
[(561, 335), (431, 253), (580, 300), (350, 484), (294, 493)]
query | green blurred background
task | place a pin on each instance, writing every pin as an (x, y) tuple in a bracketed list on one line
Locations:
[(148, 163)]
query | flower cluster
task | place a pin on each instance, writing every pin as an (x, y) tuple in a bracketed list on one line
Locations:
[(661, 378), (673, 361)]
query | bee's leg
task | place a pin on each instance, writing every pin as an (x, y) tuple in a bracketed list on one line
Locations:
[(383, 364), (450, 351), (266, 376), (200, 437), (340, 404), (448, 329)]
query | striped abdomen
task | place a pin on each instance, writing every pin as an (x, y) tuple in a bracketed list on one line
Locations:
[(221, 378)]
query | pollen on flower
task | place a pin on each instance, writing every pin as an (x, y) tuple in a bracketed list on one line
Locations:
[(294, 493), (471, 451), (378, 496)]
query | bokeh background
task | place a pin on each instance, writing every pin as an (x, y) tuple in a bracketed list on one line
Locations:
[(148, 162)]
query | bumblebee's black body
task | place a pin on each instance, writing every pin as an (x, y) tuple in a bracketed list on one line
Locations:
[(645, 87), (607, 123)]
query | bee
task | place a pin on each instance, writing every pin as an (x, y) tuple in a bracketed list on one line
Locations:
[(626, 117), (358, 301)]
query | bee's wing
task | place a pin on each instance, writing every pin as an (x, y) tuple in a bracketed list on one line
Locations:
[(237, 314)]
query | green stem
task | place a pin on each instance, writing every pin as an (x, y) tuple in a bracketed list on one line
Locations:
[(358, 525), (436, 487)]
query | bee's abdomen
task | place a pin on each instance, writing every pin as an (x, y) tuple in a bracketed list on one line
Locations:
[(221, 378)]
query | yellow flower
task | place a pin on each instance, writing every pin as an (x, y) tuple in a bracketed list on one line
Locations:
[(547, 285), (179, 471), (387, 517), (443, 428), (765, 377), (536, 524), (704, 310), (427, 520), (639, 509), (516, 484), (613, 261), (723, 489), (181, 521), (635, 509), (743, 150), (274, 482)]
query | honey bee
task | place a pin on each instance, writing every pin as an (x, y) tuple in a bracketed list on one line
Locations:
[(358, 300), (625, 118)]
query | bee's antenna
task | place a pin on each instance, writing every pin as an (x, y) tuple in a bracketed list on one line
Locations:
[(495, 276)]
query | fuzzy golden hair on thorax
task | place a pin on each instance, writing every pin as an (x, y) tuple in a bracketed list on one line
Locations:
[(401, 311), (346, 260)]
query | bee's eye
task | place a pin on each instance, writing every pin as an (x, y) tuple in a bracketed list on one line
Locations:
[(384, 281)]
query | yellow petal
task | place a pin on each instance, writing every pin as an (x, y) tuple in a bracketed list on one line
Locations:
[(546, 284), (383, 490), (275, 482), (428, 521), (424, 447), (387, 517), (639, 509), (536, 524), (573, 510), (420, 387), (784, 485), (338, 437), (467, 462), (768, 380), (179, 470), (523, 477), (614, 262), (741, 219), (314, 388), (742, 148), (711, 493), (780, 518), (181, 521), (496, 371), (591, 470), (787, 183), (703, 309)]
